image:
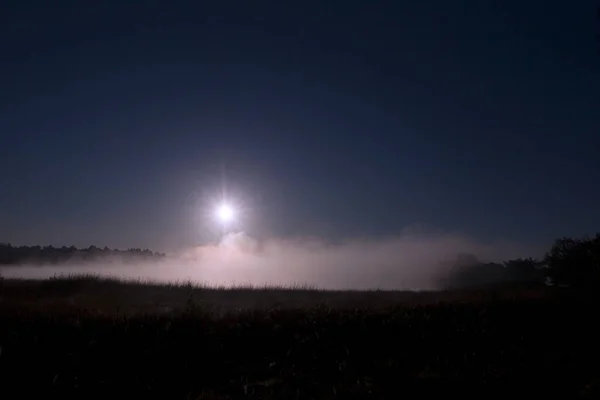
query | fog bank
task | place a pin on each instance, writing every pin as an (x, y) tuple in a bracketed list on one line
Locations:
[(409, 261)]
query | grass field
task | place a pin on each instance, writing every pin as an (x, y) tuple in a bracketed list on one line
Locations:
[(87, 337)]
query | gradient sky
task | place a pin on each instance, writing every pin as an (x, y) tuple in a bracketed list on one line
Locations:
[(120, 120)]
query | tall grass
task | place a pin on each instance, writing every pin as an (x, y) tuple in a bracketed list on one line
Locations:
[(494, 347)]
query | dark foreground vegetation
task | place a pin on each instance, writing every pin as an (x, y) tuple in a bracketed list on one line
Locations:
[(89, 337)]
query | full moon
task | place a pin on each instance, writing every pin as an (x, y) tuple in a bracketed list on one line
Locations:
[(225, 213)]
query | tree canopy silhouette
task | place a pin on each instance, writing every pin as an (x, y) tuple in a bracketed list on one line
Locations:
[(15, 255), (574, 262)]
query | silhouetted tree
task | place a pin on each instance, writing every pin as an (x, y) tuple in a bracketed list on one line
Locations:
[(574, 262)]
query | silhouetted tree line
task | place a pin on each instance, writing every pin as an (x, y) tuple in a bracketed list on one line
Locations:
[(572, 262), (15, 255)]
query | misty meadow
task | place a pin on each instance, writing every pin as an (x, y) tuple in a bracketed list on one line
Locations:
[(411, 261), (93, 334), (299, 200)]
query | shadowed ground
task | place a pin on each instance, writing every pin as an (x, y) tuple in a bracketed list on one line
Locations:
[(87, 337)]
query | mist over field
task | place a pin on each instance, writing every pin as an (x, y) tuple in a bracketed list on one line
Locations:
[(409, 261)]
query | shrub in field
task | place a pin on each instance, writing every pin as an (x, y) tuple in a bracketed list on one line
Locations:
[(467, 271), (525, 269)]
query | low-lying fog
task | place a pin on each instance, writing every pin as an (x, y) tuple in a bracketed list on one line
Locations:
[(410, 261)]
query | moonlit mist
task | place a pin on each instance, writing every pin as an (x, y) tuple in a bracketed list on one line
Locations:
[(410, 261)]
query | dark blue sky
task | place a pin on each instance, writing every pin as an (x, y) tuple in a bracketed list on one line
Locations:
[(119, 119)]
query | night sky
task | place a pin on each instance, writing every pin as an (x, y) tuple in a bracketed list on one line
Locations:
[(120, 121)]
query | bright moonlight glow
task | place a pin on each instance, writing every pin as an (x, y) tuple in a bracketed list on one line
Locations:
[(225, 213)]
